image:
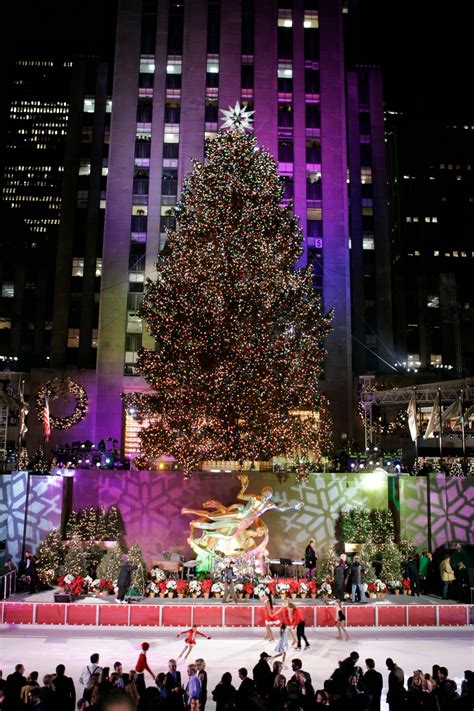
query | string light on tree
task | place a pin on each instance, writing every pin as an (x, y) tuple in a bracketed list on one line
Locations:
[(239, 331)]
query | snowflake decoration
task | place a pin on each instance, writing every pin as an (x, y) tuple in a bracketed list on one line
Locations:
[(237, 117)]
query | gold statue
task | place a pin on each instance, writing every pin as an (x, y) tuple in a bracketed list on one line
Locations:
[(235, 530)]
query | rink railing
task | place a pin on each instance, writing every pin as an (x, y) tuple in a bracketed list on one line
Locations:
[(241, 615), (7, 584)]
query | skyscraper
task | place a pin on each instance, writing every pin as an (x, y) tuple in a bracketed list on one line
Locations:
[(176, 65)]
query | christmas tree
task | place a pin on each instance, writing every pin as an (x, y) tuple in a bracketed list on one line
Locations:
[(23, 460), (238, 330), (109, 566), (392, 561), (50, 556), (135, 556), (75, 560), (327, 560)]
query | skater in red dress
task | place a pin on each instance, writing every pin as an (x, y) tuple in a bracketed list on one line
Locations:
[(272, 616), (286, 616), (141, 666), (190, 640)]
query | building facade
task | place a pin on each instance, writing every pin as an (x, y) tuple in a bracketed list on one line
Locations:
[(431, 215), (176, 65)]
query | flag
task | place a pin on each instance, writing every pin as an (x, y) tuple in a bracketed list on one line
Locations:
[(46, 421), (469, 413), (434, 423), (453, 412), (23, 410), (411, 412)]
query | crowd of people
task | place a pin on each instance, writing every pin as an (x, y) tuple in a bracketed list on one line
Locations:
[(267, 687)]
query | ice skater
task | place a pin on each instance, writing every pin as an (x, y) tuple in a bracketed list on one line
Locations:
[(340, 621), (271, 616), (141, 667), (190, 640), (298, 622), (287, 612), (282, 644)]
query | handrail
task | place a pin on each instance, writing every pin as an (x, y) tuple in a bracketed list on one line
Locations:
[(7, 584)]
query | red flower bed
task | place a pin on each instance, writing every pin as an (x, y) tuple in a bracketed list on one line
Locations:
[(182, 587), (206, 585)]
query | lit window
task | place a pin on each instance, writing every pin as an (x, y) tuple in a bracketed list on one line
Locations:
[(173, 65), (84, 167), (98, 267), (284, 17), (212, 65), (73, 338), (78, 267), (436, 359), (311, 20), (147, 65), (89, 105), (368, 243), (171, 134), (367, 211), (108, 106), (134, 322), (366, 175), (285, 70), (427, 219), (408, 219), (167, 211), (413, 359), (5, 322), (434, 219), (140, 210), (432, 302), (463, 254), (136, 277), (415, 219), (315, 213), (417, 253), (8, 290), (455, 254)]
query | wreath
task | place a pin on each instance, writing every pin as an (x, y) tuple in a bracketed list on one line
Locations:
[(62, 387)]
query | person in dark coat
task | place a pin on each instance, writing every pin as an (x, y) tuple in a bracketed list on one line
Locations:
[(357, 579), (225, 694), (396, 686), (124, 578), (310, 558), (64, 689), (340, 577), (373, 684), (15, 682), (245, 692), (173, 686), (262, 675), (414, 575), (27, 572)]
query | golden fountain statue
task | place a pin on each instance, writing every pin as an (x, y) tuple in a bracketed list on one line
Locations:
[(234, 531)]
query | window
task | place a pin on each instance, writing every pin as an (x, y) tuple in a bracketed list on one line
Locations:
[(174, 65), (136, 277), (285, 70), (78, 266), (436, 359), (212, 66), (284, 17), (134, 322), (8, 290), (368, 243), (432, 301), (413, 360), (98, 267), (311, 20), (147, 65), (73, 338), (366, 176), (89, 105)]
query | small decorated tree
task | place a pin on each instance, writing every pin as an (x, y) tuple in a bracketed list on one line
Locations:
[(113, 524), (75, 560), (456, 468), (135, 555), (391, 562), (109, 566), (50, 555), (326, 564)]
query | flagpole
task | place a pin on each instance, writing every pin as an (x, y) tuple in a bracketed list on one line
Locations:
[(463, 433), (440, 425), (416, 425)]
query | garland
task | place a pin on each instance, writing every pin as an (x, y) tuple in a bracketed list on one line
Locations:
[(62, 387)]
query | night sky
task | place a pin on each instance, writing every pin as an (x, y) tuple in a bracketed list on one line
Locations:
[(425, 50)]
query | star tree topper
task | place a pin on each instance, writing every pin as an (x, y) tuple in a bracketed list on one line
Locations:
[(237, 117)]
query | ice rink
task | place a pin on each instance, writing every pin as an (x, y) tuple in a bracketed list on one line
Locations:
[(42, 648)]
